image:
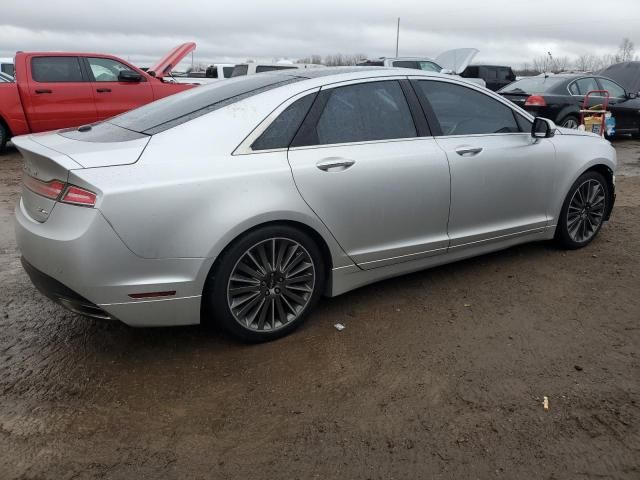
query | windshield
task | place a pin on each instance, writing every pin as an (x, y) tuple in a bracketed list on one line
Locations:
[(176, 109), (532, 85)]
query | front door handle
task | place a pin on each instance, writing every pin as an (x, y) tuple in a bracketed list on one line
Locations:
[(334, 164), (43, 90), (468, 151), (103, 90)]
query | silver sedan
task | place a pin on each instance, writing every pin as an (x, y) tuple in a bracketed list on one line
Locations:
[(245, 201)]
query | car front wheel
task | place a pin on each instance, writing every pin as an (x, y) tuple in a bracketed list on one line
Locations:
[(266, 283), (583, 211)]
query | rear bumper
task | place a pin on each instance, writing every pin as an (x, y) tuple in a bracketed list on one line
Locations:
[(76, 259), (62, 294)]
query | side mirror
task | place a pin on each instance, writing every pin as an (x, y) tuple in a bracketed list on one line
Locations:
[(543, 128), (446, 71), (631, 96), (129, 76)]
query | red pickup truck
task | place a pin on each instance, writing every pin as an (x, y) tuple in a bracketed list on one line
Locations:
[(60, 90)]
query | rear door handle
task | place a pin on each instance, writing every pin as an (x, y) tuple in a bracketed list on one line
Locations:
[(468, 151), (103, 90), (43, 90), (334, 164)]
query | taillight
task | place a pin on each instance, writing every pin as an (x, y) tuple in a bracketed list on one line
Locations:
[(53, 189), (535, 101), (79, 196)]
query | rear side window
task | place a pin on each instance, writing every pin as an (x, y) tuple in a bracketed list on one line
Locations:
[(56, 69), (463, 111), (584, 86), (227, 71), (240, 70), (406, 64), (282, 130), (271, 68), (365, 112)]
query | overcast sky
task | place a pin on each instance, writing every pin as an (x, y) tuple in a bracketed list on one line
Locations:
[(505, 31)]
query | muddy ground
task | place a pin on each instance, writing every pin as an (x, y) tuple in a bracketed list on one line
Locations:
[(438, 375)]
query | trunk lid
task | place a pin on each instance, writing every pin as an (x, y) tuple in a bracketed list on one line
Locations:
[(171, 59), (51, 156), (457, 59)]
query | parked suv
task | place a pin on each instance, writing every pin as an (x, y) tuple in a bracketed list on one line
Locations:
[(495, 76)]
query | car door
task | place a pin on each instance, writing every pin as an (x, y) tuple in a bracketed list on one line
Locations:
[(112, 96), (366, 164), (626, 111), (59, 93), (501, 178)]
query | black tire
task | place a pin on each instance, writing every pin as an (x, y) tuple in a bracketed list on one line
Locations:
[(570, 118), (565, 231), (4, 137), (218, 296)]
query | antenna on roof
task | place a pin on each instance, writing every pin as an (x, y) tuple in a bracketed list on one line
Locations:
[(397, 36)]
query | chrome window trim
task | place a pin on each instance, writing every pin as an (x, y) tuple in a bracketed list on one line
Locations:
[(367, 142)]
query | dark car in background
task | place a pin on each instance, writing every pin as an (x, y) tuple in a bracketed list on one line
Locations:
[(495, 76), (626, 74), (560, 97)]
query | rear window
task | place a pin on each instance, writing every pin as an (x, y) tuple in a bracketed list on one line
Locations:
[(176, 109), (532, 85), (56, 69)]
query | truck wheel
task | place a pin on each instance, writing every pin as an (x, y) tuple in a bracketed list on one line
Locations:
[(4, 137)]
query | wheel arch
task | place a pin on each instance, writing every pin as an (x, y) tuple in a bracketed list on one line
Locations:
[(327, 256), (607, 173)]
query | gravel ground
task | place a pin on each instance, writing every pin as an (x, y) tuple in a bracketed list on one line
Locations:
[(439, 374)]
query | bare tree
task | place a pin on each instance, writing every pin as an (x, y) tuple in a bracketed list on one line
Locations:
[(560, 64), (586, 63), (626, 51)]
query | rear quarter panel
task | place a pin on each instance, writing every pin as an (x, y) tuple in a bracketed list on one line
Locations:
[(188, 196)]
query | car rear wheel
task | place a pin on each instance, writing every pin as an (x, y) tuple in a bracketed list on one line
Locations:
[(583, 211), (570, 121), (266, 283)]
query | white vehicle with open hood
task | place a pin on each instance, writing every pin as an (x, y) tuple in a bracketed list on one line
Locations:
[(451, 62)]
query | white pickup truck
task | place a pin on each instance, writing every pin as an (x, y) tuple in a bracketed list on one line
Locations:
[(452, 62)]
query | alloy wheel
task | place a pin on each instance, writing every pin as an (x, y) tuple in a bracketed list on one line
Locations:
[(271, 284), (570, 123), (586, 211)]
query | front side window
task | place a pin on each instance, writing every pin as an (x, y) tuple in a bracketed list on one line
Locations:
[(464, 111), (56, 69), (429, 66), (406, 64), (281, 131), (365, 112), (105, 69), (615, 90), (227, 71)]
